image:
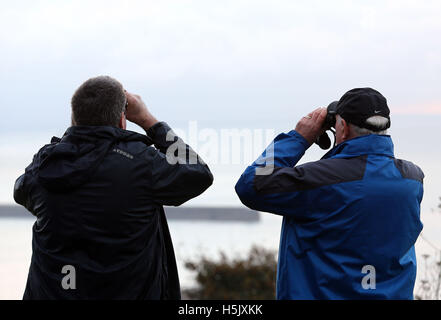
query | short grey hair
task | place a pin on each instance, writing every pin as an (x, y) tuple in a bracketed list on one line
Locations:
[(375, 121), (98, 102)]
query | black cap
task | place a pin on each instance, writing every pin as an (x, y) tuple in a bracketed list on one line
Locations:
[(359, 104)]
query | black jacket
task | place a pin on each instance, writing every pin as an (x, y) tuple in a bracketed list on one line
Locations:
[(98, 195)]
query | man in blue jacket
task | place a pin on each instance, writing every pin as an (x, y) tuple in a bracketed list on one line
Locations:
[(351, 219)]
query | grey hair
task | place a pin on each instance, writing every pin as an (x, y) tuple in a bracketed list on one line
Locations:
[(98, 102), (375, 121)]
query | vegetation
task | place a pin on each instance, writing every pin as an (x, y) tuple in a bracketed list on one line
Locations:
[(253, 277), (429, 287)]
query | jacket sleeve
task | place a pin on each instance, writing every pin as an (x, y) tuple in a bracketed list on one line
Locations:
[(178, 173), (21, 192), (273, 183)]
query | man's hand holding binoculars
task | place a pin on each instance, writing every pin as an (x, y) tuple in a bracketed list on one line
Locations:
[(138, 113), (311, 126)]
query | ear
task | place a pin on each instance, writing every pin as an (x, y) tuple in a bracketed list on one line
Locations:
[(122, 121), (345, 129)]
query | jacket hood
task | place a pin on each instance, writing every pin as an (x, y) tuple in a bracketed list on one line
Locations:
[(69, 162)]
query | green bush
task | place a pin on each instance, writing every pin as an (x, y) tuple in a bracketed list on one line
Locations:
[(251, 278)]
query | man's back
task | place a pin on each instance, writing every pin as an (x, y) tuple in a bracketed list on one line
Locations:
[(98, 196), (355, 213), (371, 221)]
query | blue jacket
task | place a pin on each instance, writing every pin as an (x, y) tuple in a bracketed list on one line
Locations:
[(350, 220)]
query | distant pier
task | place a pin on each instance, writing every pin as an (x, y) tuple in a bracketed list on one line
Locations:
[(173, 213)]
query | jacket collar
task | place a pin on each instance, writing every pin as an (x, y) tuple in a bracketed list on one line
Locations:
[(363, 145), (93, 133)]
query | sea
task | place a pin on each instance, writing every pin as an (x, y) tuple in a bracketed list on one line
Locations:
[(195, 231)]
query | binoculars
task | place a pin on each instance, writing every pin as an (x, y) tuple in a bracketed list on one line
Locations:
[(324, 141)]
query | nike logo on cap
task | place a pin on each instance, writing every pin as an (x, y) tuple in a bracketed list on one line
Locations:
[(377, 111)]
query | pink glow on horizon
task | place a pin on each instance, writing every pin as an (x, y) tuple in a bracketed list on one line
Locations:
[(425, 109)]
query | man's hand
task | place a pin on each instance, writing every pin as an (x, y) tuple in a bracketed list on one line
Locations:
[(311, 126), (138, 113)]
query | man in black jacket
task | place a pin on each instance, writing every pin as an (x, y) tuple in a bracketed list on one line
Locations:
[(98, 195)]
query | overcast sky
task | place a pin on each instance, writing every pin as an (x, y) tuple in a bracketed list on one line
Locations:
[(226, 64)]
